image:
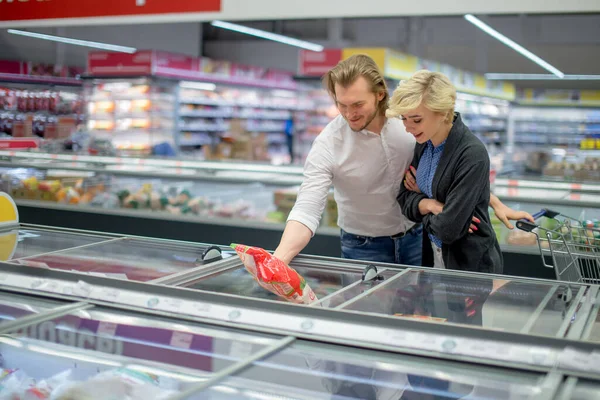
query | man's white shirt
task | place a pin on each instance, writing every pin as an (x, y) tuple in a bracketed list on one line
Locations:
[(366, 171)]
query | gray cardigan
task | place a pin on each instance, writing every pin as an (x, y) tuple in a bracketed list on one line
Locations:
[(462, 184)]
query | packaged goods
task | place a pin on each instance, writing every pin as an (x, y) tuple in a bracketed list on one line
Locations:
[(274, 275)]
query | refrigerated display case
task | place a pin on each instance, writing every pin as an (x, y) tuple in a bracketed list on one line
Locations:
[(245, 203), (413, 333), (98, 254)]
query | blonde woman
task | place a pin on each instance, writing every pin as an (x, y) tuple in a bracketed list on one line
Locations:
[(452, 173)]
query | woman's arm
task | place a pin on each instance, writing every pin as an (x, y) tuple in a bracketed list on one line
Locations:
[(502, 211), (414, 205), (505, 213), (471, 177)]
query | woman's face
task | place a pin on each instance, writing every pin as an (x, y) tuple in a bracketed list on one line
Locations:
[(424, 124)]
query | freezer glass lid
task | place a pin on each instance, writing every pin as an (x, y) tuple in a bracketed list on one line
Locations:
[(126, 258), (595, 330), (21, 243), (312, 372), (510, 305), (13, 306), (585, 390), (238, 281), (140, 340)]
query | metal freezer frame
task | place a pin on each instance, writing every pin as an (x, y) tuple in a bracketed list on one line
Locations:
[(335, 326)]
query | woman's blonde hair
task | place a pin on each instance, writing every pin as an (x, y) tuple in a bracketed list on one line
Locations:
[(433, 89), (349, 70)]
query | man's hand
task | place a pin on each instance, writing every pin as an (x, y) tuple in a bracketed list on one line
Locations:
[(505, 213), (409, 180)]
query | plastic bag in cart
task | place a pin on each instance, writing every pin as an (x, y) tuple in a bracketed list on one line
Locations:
[(274, 275)]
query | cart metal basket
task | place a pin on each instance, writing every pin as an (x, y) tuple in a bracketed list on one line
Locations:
[(569, 246)]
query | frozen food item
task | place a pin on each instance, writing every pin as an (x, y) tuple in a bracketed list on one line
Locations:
[(123, 384), (274, 275)]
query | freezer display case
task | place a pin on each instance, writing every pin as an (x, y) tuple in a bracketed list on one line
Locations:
[(376, 332), (116, 256), (100, 354), (243, 203), (308, 371), (20, 243), (14, 306), (491, 303)]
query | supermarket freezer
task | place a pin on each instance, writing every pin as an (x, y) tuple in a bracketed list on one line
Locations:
[(239, 205), (492, 302), (409, 333), (117, 256), (175, 357)]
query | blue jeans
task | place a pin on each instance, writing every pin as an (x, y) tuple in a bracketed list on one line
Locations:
[(404, 250)]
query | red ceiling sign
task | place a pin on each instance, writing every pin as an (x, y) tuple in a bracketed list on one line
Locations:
[(312, 63), (24, 10)]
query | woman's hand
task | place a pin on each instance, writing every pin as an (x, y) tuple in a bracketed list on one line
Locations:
[(409, 180), (505, 213), (430, 206)]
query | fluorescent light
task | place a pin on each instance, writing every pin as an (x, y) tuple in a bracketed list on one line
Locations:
[(76, 42), (268, 35), (540, 77), (513, 45), (198, 85)]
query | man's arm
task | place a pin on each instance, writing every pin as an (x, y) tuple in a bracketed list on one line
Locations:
[(295, 238), (465, 192), (304, 218)]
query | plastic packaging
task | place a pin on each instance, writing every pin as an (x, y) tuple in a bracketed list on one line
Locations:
[(274, 275), (122, 384)]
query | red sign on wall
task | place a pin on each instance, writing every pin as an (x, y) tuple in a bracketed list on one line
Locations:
[(108, 63), (313, 63), (24, 10)]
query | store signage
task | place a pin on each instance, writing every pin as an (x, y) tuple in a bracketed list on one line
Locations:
[(312, 63), (160, 63), (19, 143), (27, 10), (11, 67), (108, 63)]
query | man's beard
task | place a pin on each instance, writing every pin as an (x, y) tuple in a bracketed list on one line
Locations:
[(370, 119)]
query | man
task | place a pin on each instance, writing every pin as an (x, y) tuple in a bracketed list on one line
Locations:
[(365, 156)]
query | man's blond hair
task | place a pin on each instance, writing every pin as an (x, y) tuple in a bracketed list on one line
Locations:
[(349, 70), (433, 89)]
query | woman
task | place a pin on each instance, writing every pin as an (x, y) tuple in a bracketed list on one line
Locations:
[(452, 172)]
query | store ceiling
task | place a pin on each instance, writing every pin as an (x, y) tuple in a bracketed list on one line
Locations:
[(571, 43)]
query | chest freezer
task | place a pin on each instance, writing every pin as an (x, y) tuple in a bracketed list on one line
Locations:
[(309, 372), (113, 256)]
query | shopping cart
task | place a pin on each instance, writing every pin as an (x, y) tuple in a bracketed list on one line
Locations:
[(572, 246)]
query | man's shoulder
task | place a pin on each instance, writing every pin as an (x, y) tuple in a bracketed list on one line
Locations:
[(336, 127), (333, 131)]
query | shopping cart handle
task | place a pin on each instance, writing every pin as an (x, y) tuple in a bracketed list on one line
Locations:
[(525, 225), (545, 213)]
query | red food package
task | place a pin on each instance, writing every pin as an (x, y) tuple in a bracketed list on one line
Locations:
[(274, 275)]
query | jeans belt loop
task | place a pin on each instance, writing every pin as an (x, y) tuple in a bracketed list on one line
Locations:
[(402, 234)]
